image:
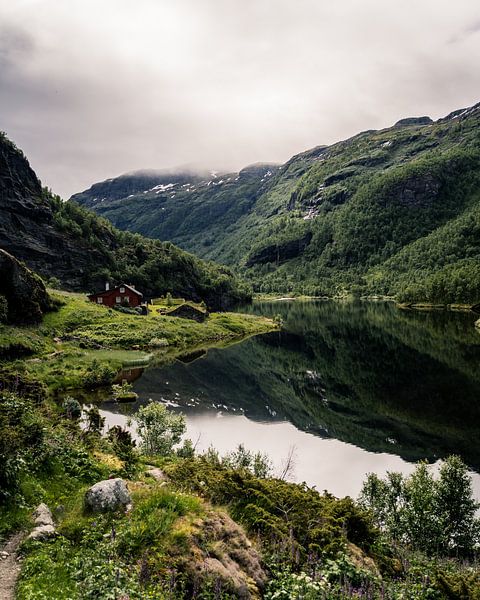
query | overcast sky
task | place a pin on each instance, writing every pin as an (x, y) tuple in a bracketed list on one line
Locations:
[(93, 88)]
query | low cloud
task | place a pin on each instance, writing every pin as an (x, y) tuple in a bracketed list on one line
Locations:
[(92, 89)]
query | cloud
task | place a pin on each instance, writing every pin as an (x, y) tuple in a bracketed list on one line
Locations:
[(91, 89), (465, 33)]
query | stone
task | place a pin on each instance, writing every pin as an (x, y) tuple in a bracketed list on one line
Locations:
[(43, 516), (108, 495), (42, 532), (156, 473)]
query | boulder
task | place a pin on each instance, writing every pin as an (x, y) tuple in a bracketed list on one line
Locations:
[(44, 524), (42, 532), (220, 551), (43, 516), (107, 495), (156, 473)]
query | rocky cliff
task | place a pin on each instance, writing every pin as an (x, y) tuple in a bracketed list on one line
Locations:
[(24, 298), (28, 229)]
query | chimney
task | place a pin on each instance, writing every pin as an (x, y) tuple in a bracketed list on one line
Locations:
[(107, 286), (132, 286)]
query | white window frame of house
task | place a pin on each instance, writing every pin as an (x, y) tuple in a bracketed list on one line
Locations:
[(118, 299), (122, 290), (99, 300), (126, 299)]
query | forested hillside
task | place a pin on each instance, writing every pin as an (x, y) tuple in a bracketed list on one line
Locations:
[(394, 212), (76, 249)]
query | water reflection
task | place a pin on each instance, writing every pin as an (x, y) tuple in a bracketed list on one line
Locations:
[(341, 381)]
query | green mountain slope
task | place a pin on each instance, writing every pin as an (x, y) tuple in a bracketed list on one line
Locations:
[(385, 212), (64, 241)]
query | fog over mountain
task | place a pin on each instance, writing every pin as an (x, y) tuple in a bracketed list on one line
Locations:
[(93, 89)]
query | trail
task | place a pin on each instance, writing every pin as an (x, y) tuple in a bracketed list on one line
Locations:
[(10, 567)]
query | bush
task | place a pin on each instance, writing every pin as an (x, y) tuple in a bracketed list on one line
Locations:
[(257, 463), (159, 428), (123, 445), (72, 408), (437, 516), (21, 436), (98, 375)]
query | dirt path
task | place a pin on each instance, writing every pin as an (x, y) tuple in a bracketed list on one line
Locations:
[(10, 567)]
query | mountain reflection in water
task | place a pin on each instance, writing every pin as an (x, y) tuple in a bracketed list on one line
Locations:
[(403, 385)]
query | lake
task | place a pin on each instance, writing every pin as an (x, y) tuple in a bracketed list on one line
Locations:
[(349, 387)]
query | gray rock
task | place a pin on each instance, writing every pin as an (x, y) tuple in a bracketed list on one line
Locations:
[(413, 121), (110, 494), (156, 473), (43, 516), (42, 532)]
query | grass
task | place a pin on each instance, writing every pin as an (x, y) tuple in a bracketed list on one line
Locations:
[(85, 345), (97, 556)]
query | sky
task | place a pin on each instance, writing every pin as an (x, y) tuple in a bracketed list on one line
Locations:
[(90, 89)]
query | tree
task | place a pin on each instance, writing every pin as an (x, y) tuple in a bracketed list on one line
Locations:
[(159, 429), (459, 528), (437, 516), (420, 514)]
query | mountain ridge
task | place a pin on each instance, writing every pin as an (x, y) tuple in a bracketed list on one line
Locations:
[(332, 219)]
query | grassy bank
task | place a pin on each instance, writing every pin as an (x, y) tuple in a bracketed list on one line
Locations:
[(85, 345)]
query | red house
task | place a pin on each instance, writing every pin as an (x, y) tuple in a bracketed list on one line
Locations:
[(121, 295)]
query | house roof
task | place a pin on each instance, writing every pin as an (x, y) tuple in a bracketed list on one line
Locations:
[(124, 285)]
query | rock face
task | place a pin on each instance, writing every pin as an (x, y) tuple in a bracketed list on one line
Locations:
[(108, 495), (27, 227), (418, 191), (413, 121), (221, 551), (24, 292), (279, 253)]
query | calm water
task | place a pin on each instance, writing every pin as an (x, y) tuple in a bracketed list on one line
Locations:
[(352, 387)]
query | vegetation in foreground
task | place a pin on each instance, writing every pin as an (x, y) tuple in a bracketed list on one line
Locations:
[(186, 536), (85, 345)]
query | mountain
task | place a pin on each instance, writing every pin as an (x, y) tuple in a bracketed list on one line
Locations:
[(394, 211), (71, 244)]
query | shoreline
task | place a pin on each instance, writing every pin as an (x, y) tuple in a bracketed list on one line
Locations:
[(420, 306)]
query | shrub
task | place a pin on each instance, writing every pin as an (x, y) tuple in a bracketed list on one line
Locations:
[(71, 408), (123, 445), (159, 428), (437, 516), (98, 375), (94, 420), (21, 435)]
